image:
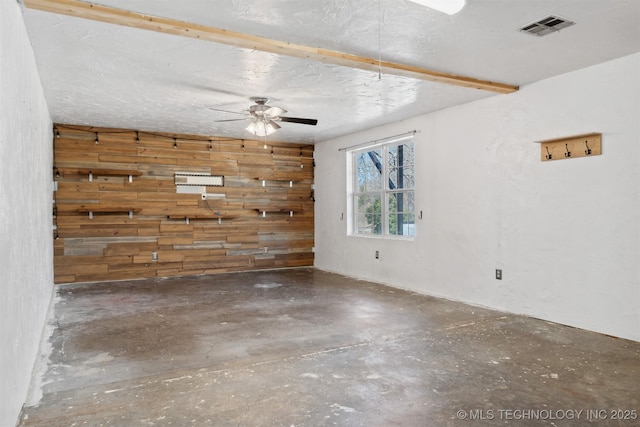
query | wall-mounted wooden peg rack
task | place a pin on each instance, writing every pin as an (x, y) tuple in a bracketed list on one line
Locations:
[(571, 147)]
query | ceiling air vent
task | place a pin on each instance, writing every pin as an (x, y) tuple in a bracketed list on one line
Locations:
[(546, 26)]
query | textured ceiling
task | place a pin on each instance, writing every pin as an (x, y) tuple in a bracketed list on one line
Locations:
[(103, 74)]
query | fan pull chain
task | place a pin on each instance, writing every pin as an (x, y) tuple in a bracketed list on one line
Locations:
[(379, 39)]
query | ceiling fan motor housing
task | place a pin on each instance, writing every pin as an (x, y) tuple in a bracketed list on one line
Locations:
[(261, 111)]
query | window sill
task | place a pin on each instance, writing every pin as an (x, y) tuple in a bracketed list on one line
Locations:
[(384, 237)]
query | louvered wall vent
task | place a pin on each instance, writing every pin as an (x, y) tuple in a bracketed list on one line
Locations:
[(546, 26), (198, 179)]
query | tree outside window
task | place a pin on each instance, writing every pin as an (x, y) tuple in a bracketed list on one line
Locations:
[(383, 189)]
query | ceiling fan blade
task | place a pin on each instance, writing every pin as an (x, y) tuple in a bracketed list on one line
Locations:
[(274, 124), (231, 120), (274, 111), (227, 111), (312, 122)]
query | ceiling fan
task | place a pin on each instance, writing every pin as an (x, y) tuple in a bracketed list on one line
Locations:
[(264, 117)]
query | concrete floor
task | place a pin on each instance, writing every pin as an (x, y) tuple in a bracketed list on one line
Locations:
[(303, 347)]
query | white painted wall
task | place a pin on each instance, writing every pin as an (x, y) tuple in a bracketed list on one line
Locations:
[(566, 233), (26, 250)]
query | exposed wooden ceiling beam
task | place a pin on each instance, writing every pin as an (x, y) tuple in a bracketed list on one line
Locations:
[(95, 12)]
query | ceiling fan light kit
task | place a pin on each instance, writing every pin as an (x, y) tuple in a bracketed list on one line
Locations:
[(450, 7), (263, 127)]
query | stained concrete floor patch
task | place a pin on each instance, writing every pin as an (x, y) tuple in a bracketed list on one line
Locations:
[(267, 285), (304, 347)]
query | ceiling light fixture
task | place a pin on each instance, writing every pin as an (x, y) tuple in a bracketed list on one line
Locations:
[(263, 127), (450, 7)]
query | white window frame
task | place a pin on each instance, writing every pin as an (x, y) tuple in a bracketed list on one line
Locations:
[(353, 190)]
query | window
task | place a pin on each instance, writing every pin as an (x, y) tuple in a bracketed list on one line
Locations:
[(383, 189)]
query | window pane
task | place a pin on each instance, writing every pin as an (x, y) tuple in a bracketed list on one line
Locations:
[(369, 170), (369, 214), (401, 213), (400, 165)]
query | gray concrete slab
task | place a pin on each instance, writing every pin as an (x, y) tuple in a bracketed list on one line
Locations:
[(303, 347)]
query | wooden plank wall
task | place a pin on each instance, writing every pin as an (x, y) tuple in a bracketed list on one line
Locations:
[(113, 245)]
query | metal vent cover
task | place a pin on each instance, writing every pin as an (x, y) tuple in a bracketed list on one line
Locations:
[(198, 179), (546, 26)]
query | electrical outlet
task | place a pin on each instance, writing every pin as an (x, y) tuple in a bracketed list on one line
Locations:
[(377, 254), (154, 256), (498, 274)]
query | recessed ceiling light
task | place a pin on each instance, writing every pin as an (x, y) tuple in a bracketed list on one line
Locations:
[(450, 7)]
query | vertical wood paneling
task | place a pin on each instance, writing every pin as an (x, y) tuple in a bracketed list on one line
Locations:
[(221, 235)]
